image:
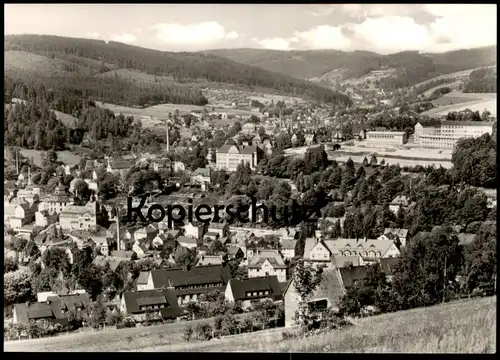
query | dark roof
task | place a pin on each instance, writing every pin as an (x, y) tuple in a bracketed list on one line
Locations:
[(172, 312), (387, 265), (329, 287), (134, 299), (195, 276), (52, 309), (353, 274), (241, 287)]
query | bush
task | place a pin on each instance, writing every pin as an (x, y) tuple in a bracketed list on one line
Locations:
[(204, 331), (126, 323), (288, 335), (187, 333)]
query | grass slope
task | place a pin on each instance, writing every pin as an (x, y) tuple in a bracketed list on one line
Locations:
[(458, 101), (58, 56), (467, 326)]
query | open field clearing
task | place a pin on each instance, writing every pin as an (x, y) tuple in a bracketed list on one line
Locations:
[(459, 74), (67, 157), (466, 326), (151, 116), (452, 86), (394, 161), (461, 327), (458, 101), (111, 339), (360, 149), (276, 98)]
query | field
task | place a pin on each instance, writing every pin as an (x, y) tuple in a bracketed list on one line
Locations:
[(392, 154), (67, 157), (458, 101), (467, 326), (459, 74), (452, 86), (151, 116)]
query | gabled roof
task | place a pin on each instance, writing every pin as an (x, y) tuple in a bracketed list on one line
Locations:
[(272, 256), (350, 275), (241, 287), (187, 240), (195, 276), (288, 244), (402, 233), (134, 299), (331, 286)]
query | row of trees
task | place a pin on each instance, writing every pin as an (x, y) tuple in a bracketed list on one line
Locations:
[(482, 81)]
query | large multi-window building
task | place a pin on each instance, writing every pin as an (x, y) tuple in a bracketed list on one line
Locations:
[(387, 137), (445, 134), (230, 156)]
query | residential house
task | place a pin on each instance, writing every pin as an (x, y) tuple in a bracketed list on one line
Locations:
[(190, 285), (228, 157), (140, 247), (327, 295), (23, 214), (187, 242), (387, 266), (399, 201), (142, 281), (267, 263), (56, 202), (163, 302), (75, 217), (222, 229), (210, 260), (201, 176), (55, 309), (288, 248), (340, 261), (119, 165), (194, 231), (44, 219), (257, 140), (318, 252), (249, 128), (235, 252), (148, 232), (400, 234), (253, 289)]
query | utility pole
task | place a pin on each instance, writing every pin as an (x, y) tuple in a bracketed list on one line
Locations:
[(117, 218), (445, 281), (168, 138)]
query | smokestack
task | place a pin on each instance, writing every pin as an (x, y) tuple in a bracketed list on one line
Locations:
[(29, 175)]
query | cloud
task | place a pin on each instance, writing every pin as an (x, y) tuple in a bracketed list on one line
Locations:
[(393, 28), (93, 35), (276, 43), (137, 30), (124, 38), (194, 34), (232, 35), (324, 37)]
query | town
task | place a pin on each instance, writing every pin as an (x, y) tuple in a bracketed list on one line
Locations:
[(403, 190)]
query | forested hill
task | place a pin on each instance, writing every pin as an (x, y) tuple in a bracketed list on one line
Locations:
[(130, 75), (412, 67)]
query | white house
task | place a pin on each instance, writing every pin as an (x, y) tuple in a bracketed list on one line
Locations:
[(267, 263), (195, 231)]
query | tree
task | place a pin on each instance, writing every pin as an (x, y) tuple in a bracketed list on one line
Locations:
[(305, 280), (9, 265), (17, 286), (97, 314), (373, 160)]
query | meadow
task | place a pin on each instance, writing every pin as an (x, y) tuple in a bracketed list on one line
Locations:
[(458, 101), (66, 156), (466, 326)]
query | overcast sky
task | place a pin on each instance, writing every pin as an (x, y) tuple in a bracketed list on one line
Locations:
[(190, 27)]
